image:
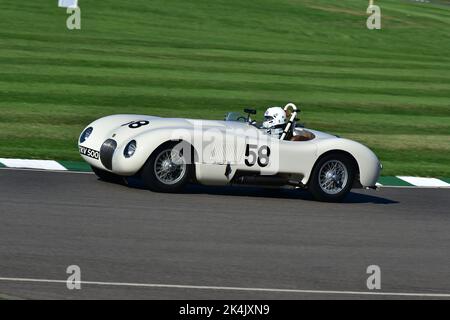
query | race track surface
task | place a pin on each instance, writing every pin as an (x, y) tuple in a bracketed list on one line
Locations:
[(216, 237)]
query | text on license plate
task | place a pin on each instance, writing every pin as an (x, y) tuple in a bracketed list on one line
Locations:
[(90, 153)]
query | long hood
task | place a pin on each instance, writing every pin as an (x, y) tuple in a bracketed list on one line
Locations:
[(124, 127)]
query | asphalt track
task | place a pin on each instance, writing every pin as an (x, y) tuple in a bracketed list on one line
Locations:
[(207, 240)]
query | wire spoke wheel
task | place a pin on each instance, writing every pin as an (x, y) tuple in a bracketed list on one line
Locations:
[(333, 177), (170, 166)]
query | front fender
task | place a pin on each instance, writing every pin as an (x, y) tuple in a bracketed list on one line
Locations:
[(146, 142)]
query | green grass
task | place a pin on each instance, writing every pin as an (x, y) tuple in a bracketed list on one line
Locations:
[(389, 89)]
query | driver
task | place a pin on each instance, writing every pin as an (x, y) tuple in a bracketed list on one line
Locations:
[(274, 121)]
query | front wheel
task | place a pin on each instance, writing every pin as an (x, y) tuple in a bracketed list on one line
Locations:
[(332, 178), (167, 169)]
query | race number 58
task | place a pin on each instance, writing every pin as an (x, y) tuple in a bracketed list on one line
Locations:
[(254, 155)]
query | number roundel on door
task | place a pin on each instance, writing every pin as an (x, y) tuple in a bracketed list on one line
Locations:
[(254, 155)]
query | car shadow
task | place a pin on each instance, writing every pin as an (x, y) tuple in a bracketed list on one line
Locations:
[(353, 197)]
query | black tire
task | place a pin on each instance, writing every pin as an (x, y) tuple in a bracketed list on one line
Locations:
[(152, 182), (107, 176), (314, 184)]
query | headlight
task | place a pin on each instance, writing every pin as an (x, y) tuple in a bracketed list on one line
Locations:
[(130, 149), (85, 135)]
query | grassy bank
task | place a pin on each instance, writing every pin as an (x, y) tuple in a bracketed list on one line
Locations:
[(389, 89)]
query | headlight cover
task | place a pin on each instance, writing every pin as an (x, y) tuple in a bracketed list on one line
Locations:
[(130, 149), (85, 135)]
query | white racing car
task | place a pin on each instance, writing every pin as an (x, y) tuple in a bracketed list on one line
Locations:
[(168, 153)]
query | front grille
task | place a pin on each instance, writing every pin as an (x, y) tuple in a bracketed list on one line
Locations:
[(107, 152)]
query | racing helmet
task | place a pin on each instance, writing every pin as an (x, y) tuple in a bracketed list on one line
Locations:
[(274, 117)]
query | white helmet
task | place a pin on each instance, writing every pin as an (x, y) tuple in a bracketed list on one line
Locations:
[(274, 116)]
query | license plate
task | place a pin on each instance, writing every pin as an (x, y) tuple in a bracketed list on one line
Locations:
[(90, 153)]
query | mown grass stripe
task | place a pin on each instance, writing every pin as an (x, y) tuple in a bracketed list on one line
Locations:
[(256, 86)]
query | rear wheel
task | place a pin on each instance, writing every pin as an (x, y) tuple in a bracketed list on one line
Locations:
[(107, 176), (167, 169), (332, 178)]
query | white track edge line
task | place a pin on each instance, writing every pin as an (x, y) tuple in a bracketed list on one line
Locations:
[(425, 182), (222, 288), (43, 170)]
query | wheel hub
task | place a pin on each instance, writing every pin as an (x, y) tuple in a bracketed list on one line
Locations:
[(333, 177), (169, 167)]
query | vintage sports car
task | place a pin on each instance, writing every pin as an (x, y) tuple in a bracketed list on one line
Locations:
[(168, 153)]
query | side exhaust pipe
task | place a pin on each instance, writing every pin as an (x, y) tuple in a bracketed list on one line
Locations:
[(267, 181)]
